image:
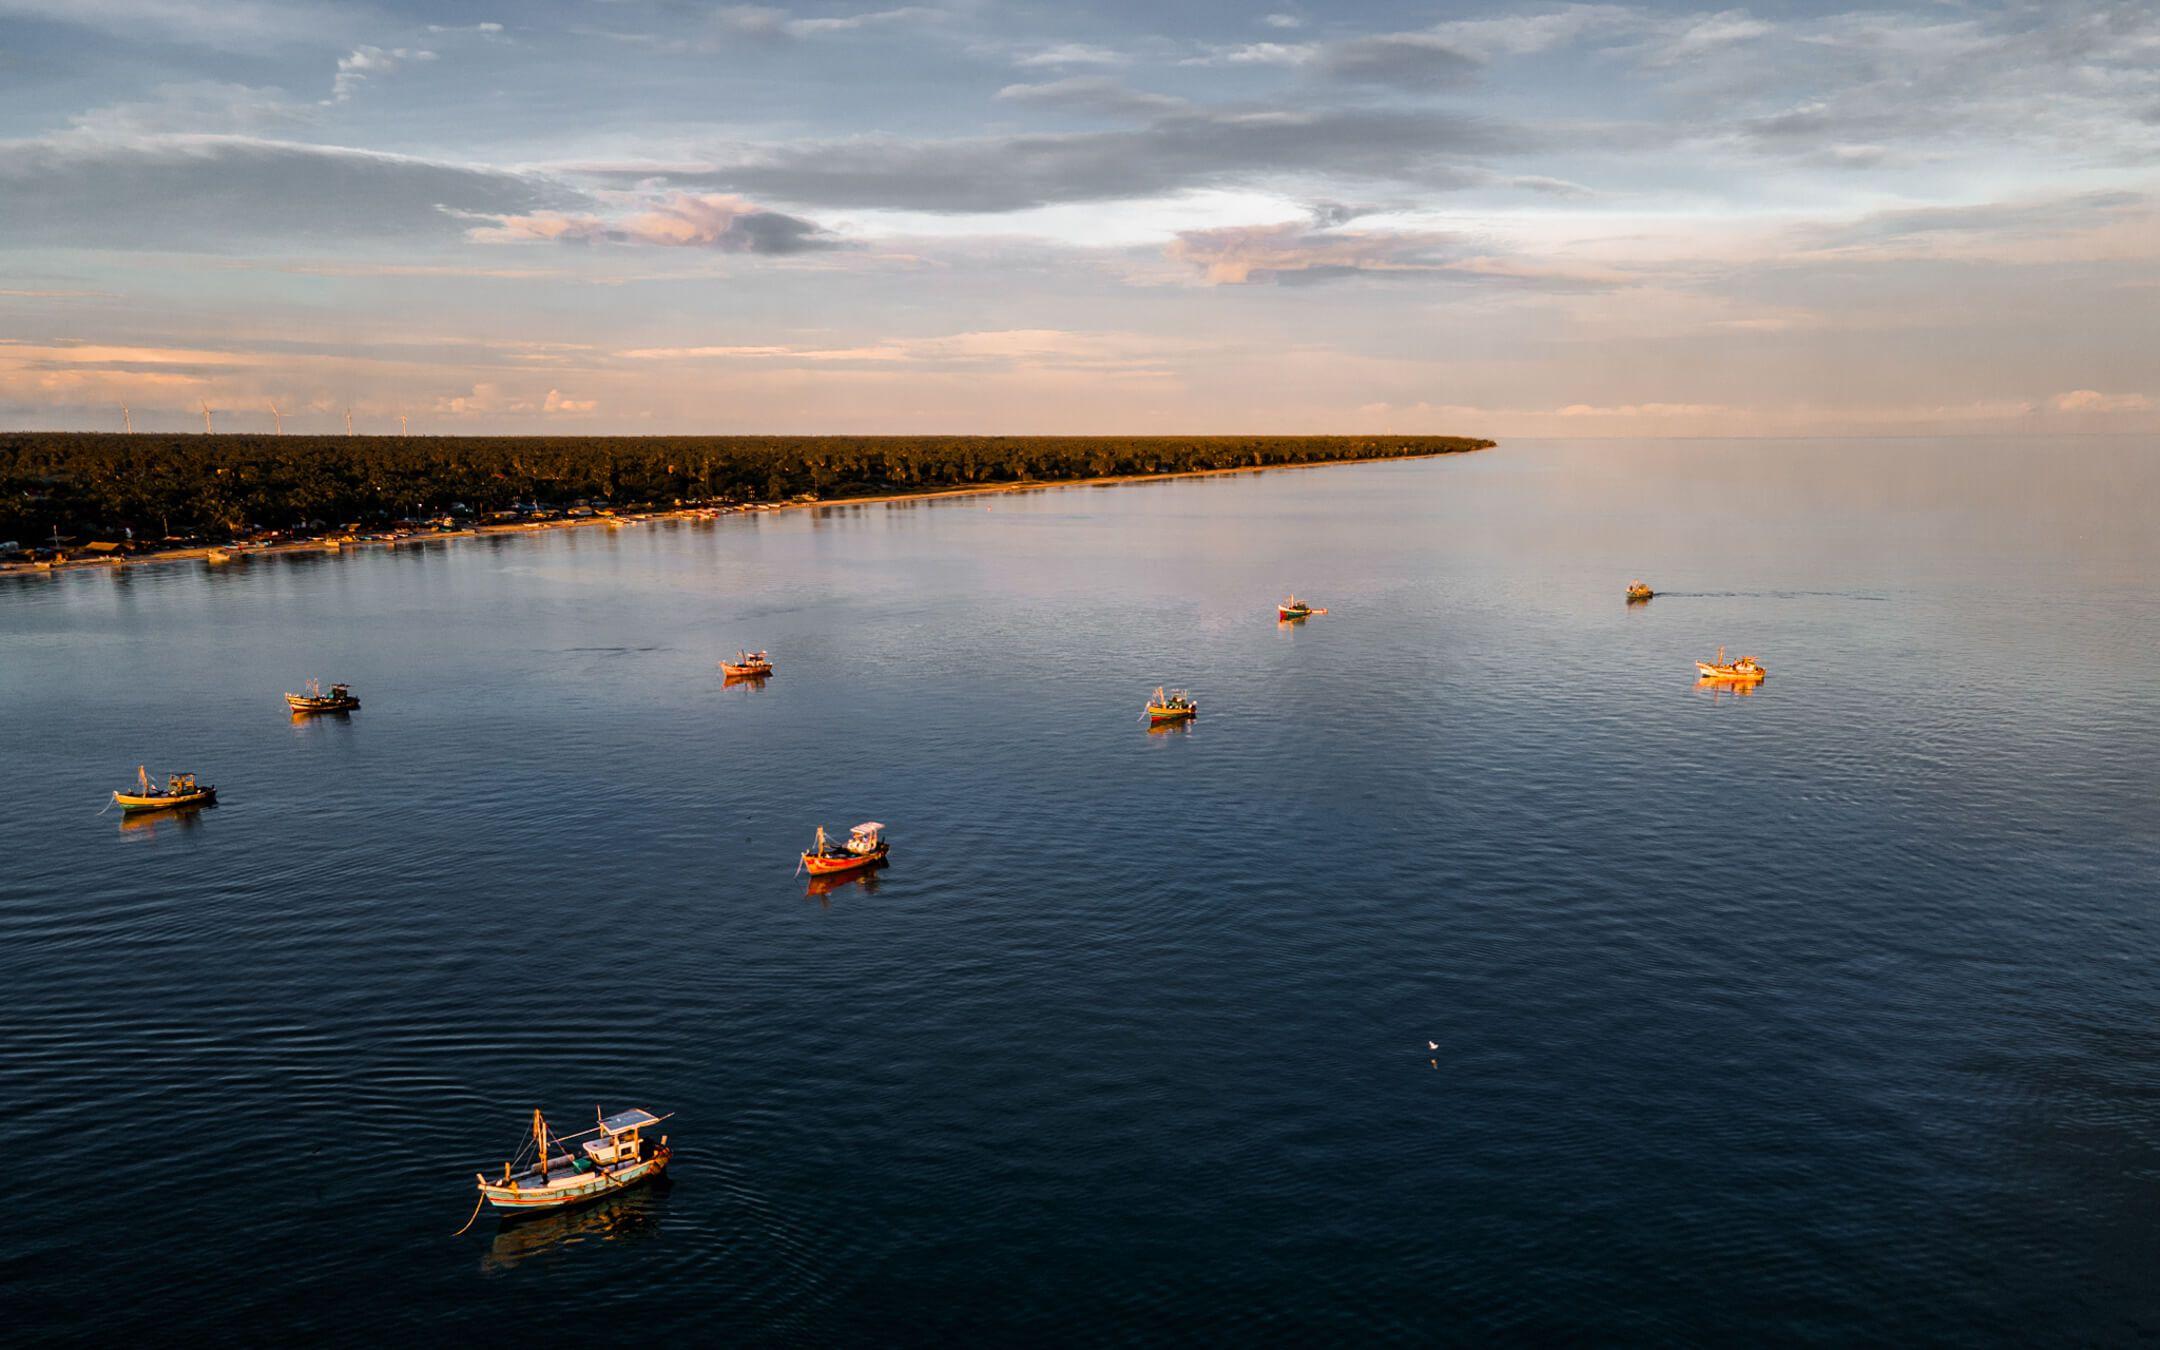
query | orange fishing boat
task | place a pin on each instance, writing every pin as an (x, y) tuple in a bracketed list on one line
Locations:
[(1746, 670), (747, 665), (180, 789), (1294, 608), (1639, 590), (1173, 705), (865, 847)]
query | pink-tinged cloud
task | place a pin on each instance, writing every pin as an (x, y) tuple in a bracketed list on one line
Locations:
[(710, 220), (556, 403), (1237, 255), (2093, 401)]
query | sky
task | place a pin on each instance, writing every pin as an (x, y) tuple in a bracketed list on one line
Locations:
[(1922, 217)]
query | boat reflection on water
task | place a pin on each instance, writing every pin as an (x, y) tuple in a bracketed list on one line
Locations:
[(1183, 728), (1737, 688), (820, 889), (629, 1216), (756, 681), (175, 818)]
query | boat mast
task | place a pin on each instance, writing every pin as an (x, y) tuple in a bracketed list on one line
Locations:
[(540, 1134)]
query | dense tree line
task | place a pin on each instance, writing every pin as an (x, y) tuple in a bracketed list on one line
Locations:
[(90, 485)]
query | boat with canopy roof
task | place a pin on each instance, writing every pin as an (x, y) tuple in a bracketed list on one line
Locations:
[(747, 665), (865, 847), (1171, 705), (180, 789), (1746, 670), (340, 699), (545, 1176)]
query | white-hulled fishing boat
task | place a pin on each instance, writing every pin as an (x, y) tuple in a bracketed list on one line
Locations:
[(615, 1158)]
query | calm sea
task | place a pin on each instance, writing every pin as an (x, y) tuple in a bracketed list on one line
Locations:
[(1830, 1012)]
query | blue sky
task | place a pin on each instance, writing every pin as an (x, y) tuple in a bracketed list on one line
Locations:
[(675, 216)]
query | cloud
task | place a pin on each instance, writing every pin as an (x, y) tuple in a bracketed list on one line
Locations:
[(1322, 250), (1998, 225), (483, 29), (211, 106), (218, 191), (354, 68), (1100, 353), (715, 221), (2093, 401), (1256, 54), (556, 403), (1657, 410), (1701, 33), (1091, 93), (1522, 34), (1241, 254), (1413, 61), (1174, 152), (224, 25), (765, 23), (1283, 21), (1070, 54)]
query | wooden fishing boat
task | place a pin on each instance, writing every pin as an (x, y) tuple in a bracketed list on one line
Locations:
[(865, 847), (617, 1157), (747, 665), (1294, 608), (1746, 670), (1174, 705), (180, 789), (340, 699), (1638, 590), (217, 555)]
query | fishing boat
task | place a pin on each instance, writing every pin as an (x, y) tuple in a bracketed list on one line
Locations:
[(340, 699), (1746, 670), (865, 847), (1638, 590), (1174, 705), (615, 1158), (1294, 608), (747, 665), (217, 555), (180, 789)]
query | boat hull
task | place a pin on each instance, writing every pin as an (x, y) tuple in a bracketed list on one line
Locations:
[(1161, 715), (825, 865), (132, 802), (303, 704), (588, 1186), (1728, 674), (734, 672)]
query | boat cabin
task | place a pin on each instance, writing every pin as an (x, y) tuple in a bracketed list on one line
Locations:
[(864, 837), (619, 1138)]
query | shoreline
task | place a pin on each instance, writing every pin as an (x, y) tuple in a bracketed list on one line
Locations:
[(239, 552)]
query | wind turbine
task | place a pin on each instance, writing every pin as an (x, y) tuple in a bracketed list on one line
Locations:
[(128, 418), (278, 415), (401, 424), (209, 428), (348, 421)]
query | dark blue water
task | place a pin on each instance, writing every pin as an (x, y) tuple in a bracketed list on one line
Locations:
[(1825, 1013)]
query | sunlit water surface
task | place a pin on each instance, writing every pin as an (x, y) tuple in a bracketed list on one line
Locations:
[(1826, 1012)]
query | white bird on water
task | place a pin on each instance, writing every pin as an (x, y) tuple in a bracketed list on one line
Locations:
[(1432, 1045)]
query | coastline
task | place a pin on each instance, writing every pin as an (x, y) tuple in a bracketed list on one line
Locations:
[(238, 552)]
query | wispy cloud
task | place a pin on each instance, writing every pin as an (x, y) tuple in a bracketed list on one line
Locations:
[(715, 221), (216, 191), (355, 67)]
